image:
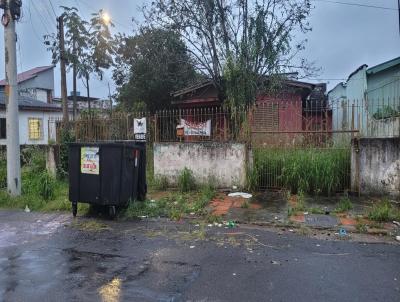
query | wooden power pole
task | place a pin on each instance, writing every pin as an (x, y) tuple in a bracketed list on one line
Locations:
[(64, 96)]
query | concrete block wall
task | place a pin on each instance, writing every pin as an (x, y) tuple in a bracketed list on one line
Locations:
[(375, 166), (223, 162)]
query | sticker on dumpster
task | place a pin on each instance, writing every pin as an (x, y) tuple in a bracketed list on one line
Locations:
[(90, 160)]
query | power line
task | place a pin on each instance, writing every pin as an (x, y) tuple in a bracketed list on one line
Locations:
[(52, 8), (359, 4)]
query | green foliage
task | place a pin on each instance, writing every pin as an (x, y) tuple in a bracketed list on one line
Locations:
[(160, 183), (175, 206), (3, 170), (386, 112), (149, 66), (34, 159), (66, 137), (315, 210), (383, 211), (186, 181), (344, 205), (314, 171), (46, 186)]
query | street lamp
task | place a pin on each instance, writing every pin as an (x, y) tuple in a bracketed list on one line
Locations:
[(106, 18)]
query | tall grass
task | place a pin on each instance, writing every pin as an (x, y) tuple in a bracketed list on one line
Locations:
[(316, 171)]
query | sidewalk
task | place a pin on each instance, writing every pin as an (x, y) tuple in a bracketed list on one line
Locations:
[(273, 208)]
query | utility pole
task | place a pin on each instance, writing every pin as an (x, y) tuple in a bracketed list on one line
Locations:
[(12, 12), (64, 97)]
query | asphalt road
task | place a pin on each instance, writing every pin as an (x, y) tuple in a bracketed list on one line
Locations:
[(50, 257)]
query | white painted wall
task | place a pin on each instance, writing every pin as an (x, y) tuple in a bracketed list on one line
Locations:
[(23, 126), (225, 163)]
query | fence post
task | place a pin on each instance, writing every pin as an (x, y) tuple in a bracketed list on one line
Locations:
[(155, 128)]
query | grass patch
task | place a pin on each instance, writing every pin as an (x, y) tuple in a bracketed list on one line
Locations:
[(186, 181), (160, 183), (344, 205), (175, 206), (313, 171), (384, 211), (315, 210), (90, 225)]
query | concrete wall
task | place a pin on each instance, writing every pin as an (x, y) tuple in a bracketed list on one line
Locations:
[(376, 166), (223, 161)]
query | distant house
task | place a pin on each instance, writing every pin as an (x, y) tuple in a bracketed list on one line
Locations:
[(83, 103), (369, 100), (36, 110), (295, 108)]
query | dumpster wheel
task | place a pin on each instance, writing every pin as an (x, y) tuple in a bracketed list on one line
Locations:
[(74, 208), (112, 211)]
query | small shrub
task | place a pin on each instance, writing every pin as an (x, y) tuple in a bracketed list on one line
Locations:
[(316, 211), (66, 137), (361, 228), (245, 205), (344, 205), (3, 174), (383, 211), (186, 181), (46, 186), (34, 159), (161, 183)]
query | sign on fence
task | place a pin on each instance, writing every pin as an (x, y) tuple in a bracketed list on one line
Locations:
[(196, 129), (139, 128), (90, 160)]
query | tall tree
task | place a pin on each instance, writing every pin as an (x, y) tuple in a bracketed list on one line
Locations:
[(149, 66), (238, 38), (76, 43), (99, 53)]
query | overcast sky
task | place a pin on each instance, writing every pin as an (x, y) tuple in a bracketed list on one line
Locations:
[(343, 37)]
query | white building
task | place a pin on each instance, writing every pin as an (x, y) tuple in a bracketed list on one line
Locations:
[(36, 111)]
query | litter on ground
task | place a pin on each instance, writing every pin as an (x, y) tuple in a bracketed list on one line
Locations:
[(240, 194)]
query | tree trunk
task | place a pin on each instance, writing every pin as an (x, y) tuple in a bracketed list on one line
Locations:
[(74, 105), (88, 96)]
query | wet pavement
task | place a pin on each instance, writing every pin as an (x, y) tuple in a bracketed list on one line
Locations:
[(51, 257)]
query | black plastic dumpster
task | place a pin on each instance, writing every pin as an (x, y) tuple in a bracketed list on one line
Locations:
[(107, 174)]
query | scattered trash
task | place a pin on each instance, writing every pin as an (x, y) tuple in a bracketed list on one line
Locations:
[(197, 225), (143, 216), (152, 200), (27, 209), (219, 225), (318, 245), (276, 218), (275, 262), (396, 223), (210, 225), (398, 238), (291, 230), (192, 246), (234, 274), (240, 194), (234, 187), (305, 213), (342, 232), (231, 224), (192, 213)]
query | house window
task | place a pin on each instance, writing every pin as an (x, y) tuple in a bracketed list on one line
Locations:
[(3, 131), (35, 127)]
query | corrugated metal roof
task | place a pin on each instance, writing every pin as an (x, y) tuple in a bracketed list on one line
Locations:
[(384, 66), (29, 74), (30, 104)]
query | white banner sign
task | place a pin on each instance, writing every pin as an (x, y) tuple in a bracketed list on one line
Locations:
[(196, 129)]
